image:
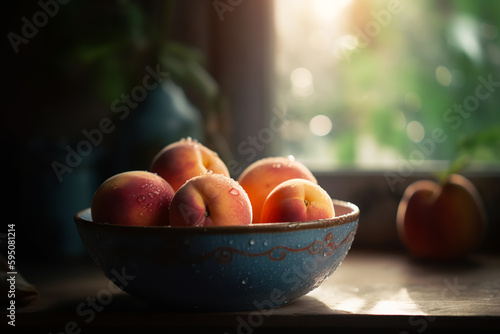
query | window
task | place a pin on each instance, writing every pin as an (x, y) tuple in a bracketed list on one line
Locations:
[(371, 83)]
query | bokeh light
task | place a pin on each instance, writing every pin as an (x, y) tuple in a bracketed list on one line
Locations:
[(415, 131), (320, 125), (443, 76)]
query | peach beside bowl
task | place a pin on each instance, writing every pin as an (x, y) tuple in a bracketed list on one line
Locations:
[(221, 268)]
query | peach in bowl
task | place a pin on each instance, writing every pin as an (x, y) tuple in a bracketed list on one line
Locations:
[(221, 268)]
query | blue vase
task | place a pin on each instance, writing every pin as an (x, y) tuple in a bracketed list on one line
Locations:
[(163, 117)]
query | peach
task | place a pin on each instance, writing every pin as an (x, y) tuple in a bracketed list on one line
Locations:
[(297, 200), (133, 198), (184, 159), (261, 177), (210, 199), (441, 221)]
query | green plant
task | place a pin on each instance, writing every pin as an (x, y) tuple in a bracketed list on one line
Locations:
[(106, 46)]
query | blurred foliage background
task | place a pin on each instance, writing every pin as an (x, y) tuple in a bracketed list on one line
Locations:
[(366, 81)]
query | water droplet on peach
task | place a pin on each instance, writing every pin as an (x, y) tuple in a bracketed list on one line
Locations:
[(234, 192), (141, 198)]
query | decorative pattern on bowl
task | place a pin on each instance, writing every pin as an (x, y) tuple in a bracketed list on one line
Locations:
[(278, 253)]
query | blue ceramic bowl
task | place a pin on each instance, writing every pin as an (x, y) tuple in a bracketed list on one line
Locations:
[(221, 268)]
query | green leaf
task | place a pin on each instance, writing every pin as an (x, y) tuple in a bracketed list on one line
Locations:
[(185, 65), (456, 166), (488, 138), (485, 139)]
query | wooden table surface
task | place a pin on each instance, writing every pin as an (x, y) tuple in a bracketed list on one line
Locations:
[(370, 292)]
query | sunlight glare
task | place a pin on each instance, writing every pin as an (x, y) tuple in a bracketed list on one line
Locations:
[(326, 10)]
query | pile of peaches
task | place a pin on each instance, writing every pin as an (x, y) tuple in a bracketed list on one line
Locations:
[(189, 185)]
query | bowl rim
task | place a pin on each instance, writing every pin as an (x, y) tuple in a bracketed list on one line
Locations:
[(346, 218)]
